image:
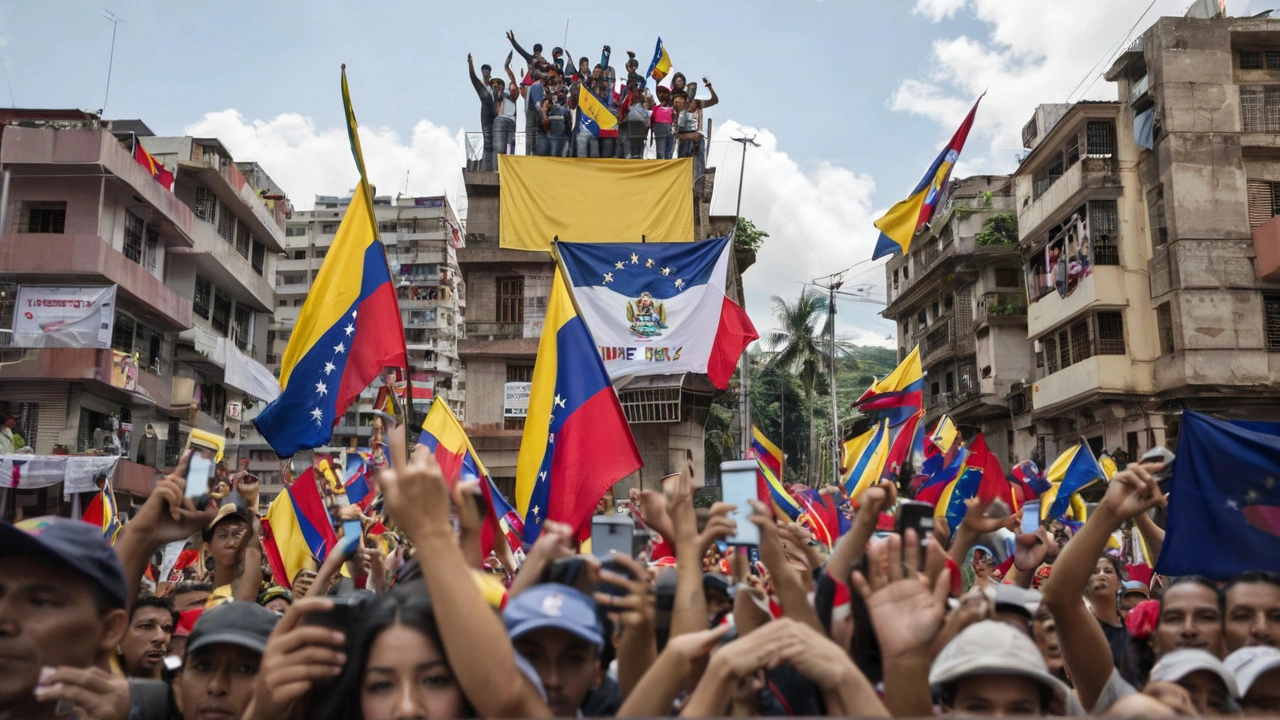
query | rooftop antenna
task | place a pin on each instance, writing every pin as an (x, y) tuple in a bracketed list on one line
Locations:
[(115, 25), (406, 182)]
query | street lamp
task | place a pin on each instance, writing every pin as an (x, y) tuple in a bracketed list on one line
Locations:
[(744, 367)]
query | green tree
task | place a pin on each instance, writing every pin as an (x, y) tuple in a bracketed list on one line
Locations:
[(799, 348), (748, 236)]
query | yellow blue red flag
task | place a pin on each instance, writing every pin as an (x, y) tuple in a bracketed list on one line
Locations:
[(349, 328), (594, 115), (661, 64), (1073, 471), (900, 224), (102, 512), (576, 442)]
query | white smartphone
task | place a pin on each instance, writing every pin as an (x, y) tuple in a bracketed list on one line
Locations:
[(1031, 516), (199, 470), (737, 487)]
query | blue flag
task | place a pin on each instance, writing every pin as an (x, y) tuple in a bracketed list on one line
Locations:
[(1224, 504)]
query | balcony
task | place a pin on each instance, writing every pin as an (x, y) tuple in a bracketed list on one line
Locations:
[(1001, 309), (1266, 245), (1087, 378), (219, 261), (948, 401), (231, 187), (1104, 287), (1050, 198), (97, 368), (298, 265), (942, 342), (89, 260)]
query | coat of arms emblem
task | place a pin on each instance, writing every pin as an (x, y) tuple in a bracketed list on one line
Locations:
[(648, 319)]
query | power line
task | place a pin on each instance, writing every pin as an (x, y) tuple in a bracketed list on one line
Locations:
[(1110, 53)]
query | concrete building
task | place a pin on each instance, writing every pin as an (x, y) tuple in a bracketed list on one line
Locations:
[(507, 297), (81, 212), (421, 235), (958, 294)]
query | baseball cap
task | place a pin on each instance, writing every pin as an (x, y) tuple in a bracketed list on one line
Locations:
[(1135, 586), (74, 544), (552, 605), (247, 625), (992, 648), (1023, 601), (228, 510), (1250, 663), (1180, 663)]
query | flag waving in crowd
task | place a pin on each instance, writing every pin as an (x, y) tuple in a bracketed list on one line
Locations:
[(349, 328)]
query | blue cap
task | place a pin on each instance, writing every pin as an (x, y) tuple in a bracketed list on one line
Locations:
[(552, 605), (75, 544)]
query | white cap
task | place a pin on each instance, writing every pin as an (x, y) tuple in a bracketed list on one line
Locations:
[(1180, 663), (1250, 663), (1025, 598), (992, 648)]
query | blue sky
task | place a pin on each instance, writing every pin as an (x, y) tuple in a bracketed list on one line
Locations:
[(851, 99)]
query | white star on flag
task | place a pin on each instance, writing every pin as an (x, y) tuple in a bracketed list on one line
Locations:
[(353, 314), (320, 388), (608, 278), (617, 265), (316, 415), (536, 510), (634, 258), (1233, 504), (340, 348), (559, 400), (329, 367), (680, 283), (648, 263), (666, 271), (542, 475), (350, 329)]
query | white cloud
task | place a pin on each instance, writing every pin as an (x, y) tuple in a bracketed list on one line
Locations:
[(819, 222), (307, 161), (938, 10), (1034, 52)]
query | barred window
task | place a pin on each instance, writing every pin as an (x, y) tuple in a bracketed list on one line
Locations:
[(203, 297), (511, 300), (221, 311), (1104, 232), (1273, 59), (226, 222), (133, 237), (259, 259), (243, 239), (122, 333), (43, 217), (1260, 108), (1080, 349), (1110, 333), (1155, 213), (1250, 60), (153, 248), (1264, 201), (206, 207), (1271, 313), (243, 325), (519, 373), (1101, 138), (1164, 324)]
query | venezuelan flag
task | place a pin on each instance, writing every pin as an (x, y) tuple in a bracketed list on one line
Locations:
[(300, 529), (950, 505), (936, 484), (900, 224), (576, 443), (906, 446), (595, 115), (102, 512), (900, 394), (1073, 471), (348, 330), (661, 64), (766, 452), (444, 436), (784, 505), (869, 466)]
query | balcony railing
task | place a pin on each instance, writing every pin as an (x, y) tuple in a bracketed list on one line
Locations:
[(936, 340), (947, 400), (1000, 305)]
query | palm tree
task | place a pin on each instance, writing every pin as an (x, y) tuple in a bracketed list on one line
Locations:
[(799, 347)]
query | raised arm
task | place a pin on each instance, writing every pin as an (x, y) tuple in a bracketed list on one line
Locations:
[(715, 99), (1085, 647), (528, 57), (853, 544), (1152, 533), (787, 582), (418, 501), (656, 692), (475, 79)]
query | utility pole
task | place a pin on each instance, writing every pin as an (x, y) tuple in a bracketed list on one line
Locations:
[(115, 25), (744, 364), (835, 417)]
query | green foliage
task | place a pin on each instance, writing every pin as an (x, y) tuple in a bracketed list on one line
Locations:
[(748, 236), (982, 202), (999, 229)]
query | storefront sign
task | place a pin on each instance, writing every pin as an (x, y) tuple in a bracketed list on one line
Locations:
[(64, 317)]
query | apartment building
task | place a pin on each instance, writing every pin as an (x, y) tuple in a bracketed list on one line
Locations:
[(507, 302), (422, 235), (959, 295), (81, 213)]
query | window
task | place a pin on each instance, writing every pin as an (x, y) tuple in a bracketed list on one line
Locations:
[(895, 279), (299, 254), (1272, 58), (1079, 342), (206, 207), (1250, 60), (1155, 211), (226, 222), (244, 241), (387, 227), (221, 311), (329, 228), (319, 253), (1264, 201), (203, 297), (1101, 138), (1008, 277), (1260, 108), (44, 217), (133, 237), (298, 302), (122, 333), (153, 248), (149, 345), (243, 326), (511, 300), (1110, 333), (282, 303), (1104, 232), (1164, 325), (1271, 315), (519, 373), (295, 231), (922, 320), (951, 382), (259, 259)]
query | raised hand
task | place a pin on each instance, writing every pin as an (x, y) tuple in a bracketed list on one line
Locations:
[(635, 609), (168, 515), (297, 657), (652, 505), (97, 694), (976, 520), (414, 492), (718, 526), (906, 613), (1131, 491), (467, 497), (1032, 548)]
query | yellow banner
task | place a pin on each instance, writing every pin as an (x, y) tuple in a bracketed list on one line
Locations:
[(594, 200)]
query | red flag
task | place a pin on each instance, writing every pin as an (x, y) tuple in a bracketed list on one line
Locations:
[(274, 560), (152, 165), (994, 485), (733, 336)]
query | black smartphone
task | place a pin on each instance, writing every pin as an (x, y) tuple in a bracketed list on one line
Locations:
[(342, 617), (918, 516)]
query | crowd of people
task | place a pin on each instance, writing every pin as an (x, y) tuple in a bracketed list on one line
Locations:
[(418, 623), (670, 117)]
